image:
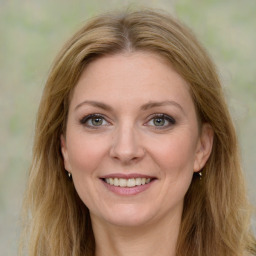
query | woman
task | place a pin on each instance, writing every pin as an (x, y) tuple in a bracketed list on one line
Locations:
[(135, 152)]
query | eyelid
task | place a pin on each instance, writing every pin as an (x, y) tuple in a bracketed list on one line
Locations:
[(86, 118), (171, 121), (169, 118)]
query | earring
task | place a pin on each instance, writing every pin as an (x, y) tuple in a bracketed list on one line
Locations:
[(69, 175), (200, 174)]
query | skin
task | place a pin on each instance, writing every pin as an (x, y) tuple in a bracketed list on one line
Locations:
[(130, 140)]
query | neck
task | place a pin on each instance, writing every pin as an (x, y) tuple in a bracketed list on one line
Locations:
[(149, 239)]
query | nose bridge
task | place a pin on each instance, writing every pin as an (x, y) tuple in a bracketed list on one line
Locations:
[(126, 144)]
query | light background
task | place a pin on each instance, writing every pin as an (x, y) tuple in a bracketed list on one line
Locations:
[(32, 32)]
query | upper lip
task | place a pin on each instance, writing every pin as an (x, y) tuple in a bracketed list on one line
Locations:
[(127, 176)]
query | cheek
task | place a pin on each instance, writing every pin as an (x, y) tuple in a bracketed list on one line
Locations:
[(175, 153), (85, 153)]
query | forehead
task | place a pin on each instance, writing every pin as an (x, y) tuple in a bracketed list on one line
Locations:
[(131, 77)]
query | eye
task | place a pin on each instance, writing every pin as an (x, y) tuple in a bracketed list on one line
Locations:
[(94, 121), (160, 121)]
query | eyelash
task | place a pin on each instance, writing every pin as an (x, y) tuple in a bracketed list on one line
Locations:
[(171, 121), (86, 119)]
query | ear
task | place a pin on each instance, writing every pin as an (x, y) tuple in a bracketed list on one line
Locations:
[(65, 153), (204, 147)]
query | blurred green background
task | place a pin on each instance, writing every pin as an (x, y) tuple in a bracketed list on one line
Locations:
[(32, 32)]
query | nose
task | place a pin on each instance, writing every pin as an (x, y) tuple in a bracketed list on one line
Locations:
[(126, 145)]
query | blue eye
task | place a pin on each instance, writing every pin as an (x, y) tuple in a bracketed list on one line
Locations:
[(94, 121), (161, 121)]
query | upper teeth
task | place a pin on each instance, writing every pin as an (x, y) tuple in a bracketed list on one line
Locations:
[(127, 182)]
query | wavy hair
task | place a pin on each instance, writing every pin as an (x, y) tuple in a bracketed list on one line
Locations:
[(216, 215)]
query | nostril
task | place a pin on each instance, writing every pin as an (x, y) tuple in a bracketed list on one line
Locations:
[(127, 144), (127, 154)]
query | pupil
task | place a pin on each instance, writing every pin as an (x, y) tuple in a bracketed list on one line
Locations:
[(97, 121), (159, 121)]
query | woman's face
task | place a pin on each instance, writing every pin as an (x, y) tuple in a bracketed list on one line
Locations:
[(132, 141)]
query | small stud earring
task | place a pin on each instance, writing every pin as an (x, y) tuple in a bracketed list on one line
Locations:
[(200, 174), (69, 175)]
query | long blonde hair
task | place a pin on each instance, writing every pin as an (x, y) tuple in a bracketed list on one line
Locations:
[(216, 215)]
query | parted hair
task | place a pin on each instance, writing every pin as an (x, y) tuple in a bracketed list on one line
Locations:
[(216, 215)]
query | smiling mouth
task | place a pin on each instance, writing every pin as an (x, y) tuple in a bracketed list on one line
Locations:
[(128, 183)]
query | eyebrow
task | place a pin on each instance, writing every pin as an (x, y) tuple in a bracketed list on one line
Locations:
[(95, 104), (144, 107), (153, 104)]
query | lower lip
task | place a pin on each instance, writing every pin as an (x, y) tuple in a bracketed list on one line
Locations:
[(128, 191)]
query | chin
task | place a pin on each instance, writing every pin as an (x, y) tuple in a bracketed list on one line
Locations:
[(129, 221), (126, 216)]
